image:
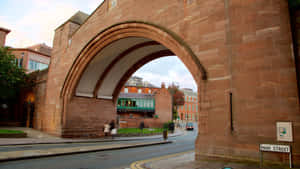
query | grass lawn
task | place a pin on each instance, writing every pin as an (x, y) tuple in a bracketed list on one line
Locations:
[(4, 131), (137, 130)]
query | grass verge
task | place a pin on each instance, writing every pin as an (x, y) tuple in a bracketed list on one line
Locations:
[(139, 131), (5, 131)]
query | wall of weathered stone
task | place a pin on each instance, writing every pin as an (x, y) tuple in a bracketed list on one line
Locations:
[(245, 47), (39, 92), (86, 117), (163, 105)]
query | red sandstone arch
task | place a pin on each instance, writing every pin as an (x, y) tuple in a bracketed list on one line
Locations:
[(244, 47), (119, 31)]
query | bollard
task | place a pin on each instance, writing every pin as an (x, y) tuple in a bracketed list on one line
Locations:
[(165, 134)]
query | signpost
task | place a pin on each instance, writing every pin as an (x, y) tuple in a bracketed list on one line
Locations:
[(284, 131), (275, 148)]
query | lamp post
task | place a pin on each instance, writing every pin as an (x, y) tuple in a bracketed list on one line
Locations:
[(29, 101)]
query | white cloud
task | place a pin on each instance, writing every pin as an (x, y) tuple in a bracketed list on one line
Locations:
[(184, 80), (43, 17)]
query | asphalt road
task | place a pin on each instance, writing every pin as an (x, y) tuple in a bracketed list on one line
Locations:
[(115, 159)]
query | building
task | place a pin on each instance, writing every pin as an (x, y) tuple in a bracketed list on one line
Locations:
[(245, 69), (32, 58), (138, 102), (3, 33), (189, 111), (137, 85)]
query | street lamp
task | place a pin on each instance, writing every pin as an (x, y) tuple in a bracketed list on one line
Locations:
[(29, 101)]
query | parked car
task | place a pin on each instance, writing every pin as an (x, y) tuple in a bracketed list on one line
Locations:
[(189, 126)]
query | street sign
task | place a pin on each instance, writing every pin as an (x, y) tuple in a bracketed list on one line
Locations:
[(284, 131), (275, 148)]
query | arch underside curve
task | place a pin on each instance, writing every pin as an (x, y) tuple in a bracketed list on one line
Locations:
[(103, 73), (100, 68)]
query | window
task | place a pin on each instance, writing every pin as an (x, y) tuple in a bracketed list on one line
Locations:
[(125, 90), (19, 61), (33, 65), (140, 91), (149, 91)]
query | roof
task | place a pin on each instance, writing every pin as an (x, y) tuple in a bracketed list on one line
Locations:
[(29, 50), (78, 18), (42, 48), (4, 30), (188, 92), (136, 95)]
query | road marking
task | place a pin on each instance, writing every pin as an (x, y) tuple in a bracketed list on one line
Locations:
[(138, 164)]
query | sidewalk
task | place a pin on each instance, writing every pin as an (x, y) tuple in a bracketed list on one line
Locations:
[(38, 153), (38, 137), (186, 160)]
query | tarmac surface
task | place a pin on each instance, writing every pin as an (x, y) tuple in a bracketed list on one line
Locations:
[(184, 160)]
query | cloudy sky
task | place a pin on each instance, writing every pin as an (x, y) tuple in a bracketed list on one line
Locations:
[(34, 21)]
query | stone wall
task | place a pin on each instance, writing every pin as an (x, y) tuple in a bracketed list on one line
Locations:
[(244, 46), (39, 92)]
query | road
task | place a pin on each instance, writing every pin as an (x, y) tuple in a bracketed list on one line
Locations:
[(115, 159)]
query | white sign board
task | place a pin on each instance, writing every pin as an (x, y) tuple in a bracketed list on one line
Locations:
[(284, 131), (275, 148)]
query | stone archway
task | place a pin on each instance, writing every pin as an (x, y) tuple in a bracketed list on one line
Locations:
[(105, 64), (248, 84)]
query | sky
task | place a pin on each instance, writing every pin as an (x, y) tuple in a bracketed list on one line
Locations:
[(34, 21)]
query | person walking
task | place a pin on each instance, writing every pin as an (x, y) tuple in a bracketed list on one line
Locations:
[(106, 128), (113, 130)]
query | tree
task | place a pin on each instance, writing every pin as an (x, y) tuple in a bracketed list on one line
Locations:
[(177, 98), (12, 77), (294, 3)]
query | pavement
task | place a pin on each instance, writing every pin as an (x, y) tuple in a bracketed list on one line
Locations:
[(185, 160), (37, 137)]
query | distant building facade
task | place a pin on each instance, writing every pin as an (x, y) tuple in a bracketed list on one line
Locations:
[(3, 33), (143, 102), (189, 111), (32, 58)]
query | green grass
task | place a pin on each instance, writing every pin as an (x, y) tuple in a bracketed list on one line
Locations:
[(139, 131), (4, 131)]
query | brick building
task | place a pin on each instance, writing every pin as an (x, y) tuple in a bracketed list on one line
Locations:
[(189, 110), (3, 33), (137, 85), (32, 58), (137, 103)]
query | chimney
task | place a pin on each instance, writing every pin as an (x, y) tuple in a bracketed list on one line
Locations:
[(3, 33), (163, 85)]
